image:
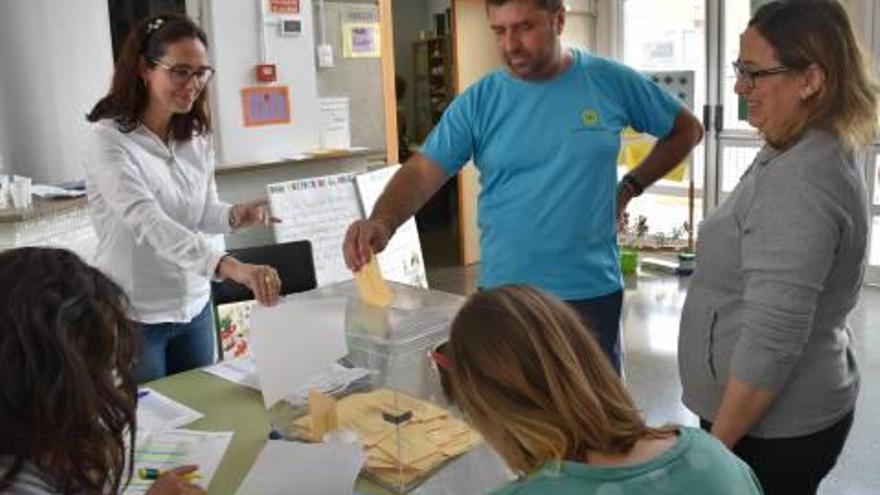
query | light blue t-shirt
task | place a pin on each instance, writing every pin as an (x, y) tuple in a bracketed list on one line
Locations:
[(547, 155), (698, 464)]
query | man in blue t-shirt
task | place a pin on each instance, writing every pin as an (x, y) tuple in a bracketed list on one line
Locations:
[(544, 133)]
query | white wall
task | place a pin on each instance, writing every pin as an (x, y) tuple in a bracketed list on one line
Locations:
[(235, 49), (53, 72)]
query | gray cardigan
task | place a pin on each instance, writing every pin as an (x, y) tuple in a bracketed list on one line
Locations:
[(779, 266)]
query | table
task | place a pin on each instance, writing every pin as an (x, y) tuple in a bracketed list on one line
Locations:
[(401, 363)]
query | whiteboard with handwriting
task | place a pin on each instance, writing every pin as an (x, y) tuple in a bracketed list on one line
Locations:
[(402, 260), (319, 209)]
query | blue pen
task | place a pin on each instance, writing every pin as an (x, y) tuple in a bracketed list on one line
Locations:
[(142, 393)]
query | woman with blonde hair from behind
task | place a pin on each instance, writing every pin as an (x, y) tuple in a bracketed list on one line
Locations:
[(528, 375)]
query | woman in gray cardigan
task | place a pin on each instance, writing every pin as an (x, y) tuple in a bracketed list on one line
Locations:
[(765, 351)]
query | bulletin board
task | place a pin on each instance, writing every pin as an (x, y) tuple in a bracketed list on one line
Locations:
[(265, 105), (320, 209)]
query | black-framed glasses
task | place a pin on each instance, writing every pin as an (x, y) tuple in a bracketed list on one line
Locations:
[(181, 74), (743, 72)]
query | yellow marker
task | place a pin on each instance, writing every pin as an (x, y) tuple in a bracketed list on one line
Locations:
[(371, 285), (154, 474)]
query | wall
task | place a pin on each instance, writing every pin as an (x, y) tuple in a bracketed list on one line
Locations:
[(234, 32), (477, 55), (359, 79), (4, 152), (52, 73)]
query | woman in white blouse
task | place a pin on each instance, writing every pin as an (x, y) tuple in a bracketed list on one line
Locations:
[(152, 195)]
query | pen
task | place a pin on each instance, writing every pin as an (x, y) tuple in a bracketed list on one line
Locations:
[(143, 393), (154, 474)]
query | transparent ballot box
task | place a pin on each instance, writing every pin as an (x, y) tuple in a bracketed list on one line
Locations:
[(398, 414)]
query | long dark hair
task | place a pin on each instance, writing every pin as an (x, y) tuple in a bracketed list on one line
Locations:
[(67, 394), (128, 96)]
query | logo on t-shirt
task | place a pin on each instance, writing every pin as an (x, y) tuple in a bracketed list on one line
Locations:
[(590, 117)]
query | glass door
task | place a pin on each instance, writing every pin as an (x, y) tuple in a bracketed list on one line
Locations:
[(733, 142), (665, 39), (873, 274)]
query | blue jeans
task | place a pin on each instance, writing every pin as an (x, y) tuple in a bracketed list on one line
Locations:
[(602, 316), (169, 348)]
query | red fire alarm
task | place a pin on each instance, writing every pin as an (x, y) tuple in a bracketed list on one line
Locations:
[(266, 73)]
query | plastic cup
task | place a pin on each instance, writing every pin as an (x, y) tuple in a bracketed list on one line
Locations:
[(21, 192)]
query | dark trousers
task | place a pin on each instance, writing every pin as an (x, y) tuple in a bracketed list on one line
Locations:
[(796, 465), (602, 316), (170, 348)]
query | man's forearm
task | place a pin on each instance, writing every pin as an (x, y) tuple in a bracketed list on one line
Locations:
[(407, 192), (670, 151)]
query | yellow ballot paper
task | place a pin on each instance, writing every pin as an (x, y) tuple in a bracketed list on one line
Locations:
[(371, 285)]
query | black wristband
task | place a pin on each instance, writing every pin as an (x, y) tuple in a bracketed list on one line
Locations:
[(633, 184)]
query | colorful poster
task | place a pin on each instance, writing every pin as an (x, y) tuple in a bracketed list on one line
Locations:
[(284, 6), (361, 40), (266, 105)]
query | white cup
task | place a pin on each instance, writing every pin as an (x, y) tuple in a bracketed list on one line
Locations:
[(4, 191), (21, 192)]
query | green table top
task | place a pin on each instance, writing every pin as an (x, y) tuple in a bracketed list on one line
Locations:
[(229, 407)]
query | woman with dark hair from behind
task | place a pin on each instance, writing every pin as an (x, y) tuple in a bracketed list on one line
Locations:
[(765, 350), (153, 196), (527, 373), (67, 395)]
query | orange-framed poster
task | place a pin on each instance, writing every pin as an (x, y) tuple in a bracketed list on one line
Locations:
[(266, 105)]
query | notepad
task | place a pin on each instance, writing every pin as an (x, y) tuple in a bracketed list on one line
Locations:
[(371, 286)]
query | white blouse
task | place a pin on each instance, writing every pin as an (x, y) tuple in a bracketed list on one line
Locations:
[(151, 206)]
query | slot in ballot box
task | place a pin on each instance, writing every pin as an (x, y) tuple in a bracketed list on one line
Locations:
[(399, 415)]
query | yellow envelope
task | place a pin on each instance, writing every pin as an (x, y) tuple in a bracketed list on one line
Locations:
[(371, 285)]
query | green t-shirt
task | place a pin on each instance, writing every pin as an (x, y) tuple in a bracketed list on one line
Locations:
[(697, 464)]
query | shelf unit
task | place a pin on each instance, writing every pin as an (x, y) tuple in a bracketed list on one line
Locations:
[(434, 88)]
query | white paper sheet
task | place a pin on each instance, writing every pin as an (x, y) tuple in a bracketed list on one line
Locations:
[(242, 371), (46, 191), (291, 467), (295, 340), (165, 450), (157, 412)]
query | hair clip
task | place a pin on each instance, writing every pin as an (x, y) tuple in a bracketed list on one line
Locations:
[(155, 24)]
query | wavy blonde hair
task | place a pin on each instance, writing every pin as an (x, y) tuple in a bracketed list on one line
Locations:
[(805, 32), (529, 376)]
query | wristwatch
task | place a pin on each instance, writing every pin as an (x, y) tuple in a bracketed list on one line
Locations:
[(232, 217), (635, 187)]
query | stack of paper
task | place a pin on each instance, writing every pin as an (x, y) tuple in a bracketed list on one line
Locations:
[(422, 443), (334, 381)]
